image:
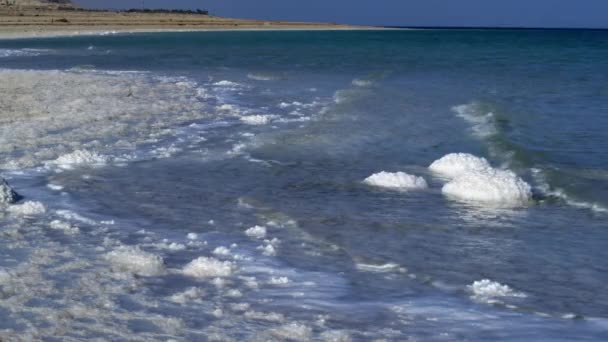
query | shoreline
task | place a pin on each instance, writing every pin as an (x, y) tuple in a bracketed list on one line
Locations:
[(22, 23), (102, 31)]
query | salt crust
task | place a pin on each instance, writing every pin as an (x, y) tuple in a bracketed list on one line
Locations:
[(396, 180)]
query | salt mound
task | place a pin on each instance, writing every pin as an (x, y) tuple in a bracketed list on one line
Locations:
[(7, 194), (257, 232), (257, 119), (204, 267), (487, 291), (455, 164), (27, 209), (293, 331), (490, 186), (80, 157), (397, 180), (133, 259)]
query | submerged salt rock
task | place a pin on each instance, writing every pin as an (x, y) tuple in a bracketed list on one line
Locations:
[(490, 186), (456, 164), (396, 180), (7, 194)]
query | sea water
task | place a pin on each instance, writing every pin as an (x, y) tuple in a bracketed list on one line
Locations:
[(433, 185)]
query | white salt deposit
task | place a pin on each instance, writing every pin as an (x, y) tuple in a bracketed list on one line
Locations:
[(80, 158), (225, 83), (205, 267), (488, 291), (193, 294), (47, 114), (397, 181), (257, 232), (278, 281), (54, 187), (264, 316), (335, 336), (223, 251), (456, 164), (70, 215), (490, 186), (257, 120), (474, 179), (293, 331), (64, 226), (134, 260), (268, 250), (27, 209), (388, 267)]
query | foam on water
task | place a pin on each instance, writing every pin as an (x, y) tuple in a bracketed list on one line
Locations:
[(261, 77), (396, 180), (21, 52), (483, 122), (361, 83)]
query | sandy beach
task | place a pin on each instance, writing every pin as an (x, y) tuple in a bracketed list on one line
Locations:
[(23, 22)]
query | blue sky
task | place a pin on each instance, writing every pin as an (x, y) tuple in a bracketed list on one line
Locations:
[(529, 13)]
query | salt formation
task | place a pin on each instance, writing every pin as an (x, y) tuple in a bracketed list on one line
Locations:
[(473, 179), (503, 188), (80, 158), (7, 194), (48, 115), (488, 291), (257, 232), (257, 120), (397, 181), (133, 259), (456, 164), (27, 209), (204, 267)]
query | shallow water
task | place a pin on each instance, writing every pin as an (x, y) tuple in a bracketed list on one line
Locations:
[(145, 159)]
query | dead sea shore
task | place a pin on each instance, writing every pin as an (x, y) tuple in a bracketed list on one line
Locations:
[(19, 22)]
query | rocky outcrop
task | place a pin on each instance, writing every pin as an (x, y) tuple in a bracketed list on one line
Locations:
[(7, 194)]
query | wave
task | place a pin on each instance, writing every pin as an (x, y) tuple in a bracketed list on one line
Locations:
[(4, 53), (492, 126)]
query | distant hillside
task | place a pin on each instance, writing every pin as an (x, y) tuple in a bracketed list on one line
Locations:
[(37, 3)]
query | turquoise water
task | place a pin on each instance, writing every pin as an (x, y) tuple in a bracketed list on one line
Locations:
[(137, 154)]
